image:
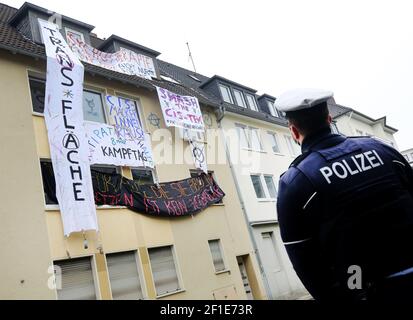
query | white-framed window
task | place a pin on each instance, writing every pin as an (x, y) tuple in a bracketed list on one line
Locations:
[(77, 279), (273, 110), (243, 136), (74, 34), (226, 93), (239, 98), (252, 103), (217, 255), (258, 187), (125, 276), (93, 108), (48, 180), (264, 186), (269, 183), (255, 139), (269, 245), (164, 271), (274, 142), (292, 146)]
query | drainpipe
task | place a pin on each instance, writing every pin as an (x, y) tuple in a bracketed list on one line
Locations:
[(220, 115)]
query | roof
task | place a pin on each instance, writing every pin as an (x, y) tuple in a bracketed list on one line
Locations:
[(265, 95), (217, 77), (13, 41), (30, 6), (114, 37)]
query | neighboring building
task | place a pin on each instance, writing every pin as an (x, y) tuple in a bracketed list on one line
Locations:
[(353, 123), (408, 154), (207, 256)]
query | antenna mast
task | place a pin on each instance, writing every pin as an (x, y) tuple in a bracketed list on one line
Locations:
[(190, 57)]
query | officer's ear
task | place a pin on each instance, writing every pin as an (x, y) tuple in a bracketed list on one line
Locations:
[(294, 132)]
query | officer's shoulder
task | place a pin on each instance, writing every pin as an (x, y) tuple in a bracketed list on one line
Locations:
[(293, 174)]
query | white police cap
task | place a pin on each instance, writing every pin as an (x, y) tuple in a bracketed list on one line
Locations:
[(299, 99)]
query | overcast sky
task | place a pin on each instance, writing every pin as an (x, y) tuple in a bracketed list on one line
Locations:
[(361, 50)]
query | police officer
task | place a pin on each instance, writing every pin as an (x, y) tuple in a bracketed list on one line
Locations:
[(345, 208)]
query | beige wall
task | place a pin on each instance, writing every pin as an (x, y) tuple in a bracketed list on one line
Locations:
[(24, 245), (120, 229)]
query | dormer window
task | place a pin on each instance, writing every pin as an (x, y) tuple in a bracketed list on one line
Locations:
[(273, 110), (239, 98), (226, 94), (251, 102), (74, 34)]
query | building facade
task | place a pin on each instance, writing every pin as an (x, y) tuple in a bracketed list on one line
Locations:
[(134, 256), (408, 154)]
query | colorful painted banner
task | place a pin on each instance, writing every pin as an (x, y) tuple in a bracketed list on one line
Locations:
[(109, 146), (123, 61), (67, 138), (170, 199), (199, 155), (180, 111)]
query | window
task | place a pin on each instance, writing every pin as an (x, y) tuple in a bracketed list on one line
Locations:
[(93, 107), (264, 187), (142, 176), (292, 146), (166, 78), (197, 172), (124, 276), (239, 98), (37, 91), (273, 110), (243, 136), (76, 279), (105, 169), (164, 271), (75, 34), (269, 247), (255, 139), (251, 102), (274, 142), (194, 78), (272, 191), (217, 256), (49, 184), (226, 93), (259, 190)]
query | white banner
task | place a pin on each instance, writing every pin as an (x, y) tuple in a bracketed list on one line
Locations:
[(180, 111), (107, 145), (199, 155), (123, 61), (67, 138)]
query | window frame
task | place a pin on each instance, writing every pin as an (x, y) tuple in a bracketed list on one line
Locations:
[(177, 269), (290, 144), (93, 264), (242, 98), (102, 95), (266, 186), (223, 86), (153, 172), (258, 131), (67, 29), (139, 269), (273, 110), (261, 184), (255, 107), (245, 129), (39, 77), (277, 142), (223, 256)]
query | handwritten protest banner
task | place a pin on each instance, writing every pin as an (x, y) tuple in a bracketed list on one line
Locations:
[(106, 146), (64, 121), (180, 111), (123, 61), (123, 141), (170, 199)]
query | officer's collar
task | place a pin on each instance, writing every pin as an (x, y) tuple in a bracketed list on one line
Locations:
[(315, 138)]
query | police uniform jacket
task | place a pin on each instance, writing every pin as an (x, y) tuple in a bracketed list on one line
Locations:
[(346, 201)]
